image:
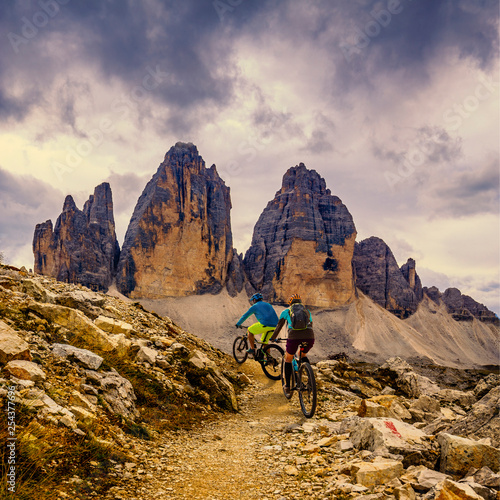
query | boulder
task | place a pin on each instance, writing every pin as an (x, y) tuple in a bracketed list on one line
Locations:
[(83, 415), (484, 476), (464, 399), (422, 479), (384, 406), (78, 399), (90, 303), (207, 375), (370, 409), (407, 381), (24, 370), (37, 399), (414, 385), (376, 473), (12, 346), (117, 392), (486, 384), (85, 357), (405, 492), (388, 435), (81, 328), (483, 420), (459, 454), (114, 326), (452, 490), (147, 354)]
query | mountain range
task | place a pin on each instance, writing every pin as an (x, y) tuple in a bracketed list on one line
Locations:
[(179, 245)]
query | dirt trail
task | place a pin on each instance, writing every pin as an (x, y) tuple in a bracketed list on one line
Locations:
[(226, 459)]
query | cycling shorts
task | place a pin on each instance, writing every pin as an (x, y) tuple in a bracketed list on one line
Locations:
[(260, 329), (293, 344)]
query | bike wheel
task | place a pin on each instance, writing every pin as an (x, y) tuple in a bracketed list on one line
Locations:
[(307, 390), (290, 394), (240, 347), (271, 362)]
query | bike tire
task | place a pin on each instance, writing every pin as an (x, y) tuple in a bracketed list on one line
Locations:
[(240, 347), (290, 394), (271, 362), (307, 390)]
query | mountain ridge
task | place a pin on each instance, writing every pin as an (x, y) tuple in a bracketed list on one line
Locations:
[(179, 243)]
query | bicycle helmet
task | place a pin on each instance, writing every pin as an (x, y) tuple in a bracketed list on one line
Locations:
[(294, 298), (256, 297)]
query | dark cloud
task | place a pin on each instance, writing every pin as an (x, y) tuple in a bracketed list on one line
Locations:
[(24, 202), (184, 42), (468, 193), (371, 41), (189, 43)]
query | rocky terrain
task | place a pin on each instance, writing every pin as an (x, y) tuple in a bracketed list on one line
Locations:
[(179, 239), (112, 401), (303, 240), (82, 246)]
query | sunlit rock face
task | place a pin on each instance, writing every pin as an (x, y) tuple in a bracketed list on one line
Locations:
[(303, 243), (378, 276), (179, 239), (82, 247)]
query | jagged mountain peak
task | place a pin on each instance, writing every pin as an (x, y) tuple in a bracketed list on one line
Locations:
[(82, 247), (300, 177), (179, 239), (302, 243)]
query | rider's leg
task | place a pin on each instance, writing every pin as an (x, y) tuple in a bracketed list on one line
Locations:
[(251, 339), (303, 354), (291, 349)]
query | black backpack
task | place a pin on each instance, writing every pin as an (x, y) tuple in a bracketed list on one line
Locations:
[(299, 316)]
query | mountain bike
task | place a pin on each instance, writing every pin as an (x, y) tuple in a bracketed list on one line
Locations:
[(303, 382), (268, 355)]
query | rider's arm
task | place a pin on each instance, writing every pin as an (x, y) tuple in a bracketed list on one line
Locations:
[(245, 316), (279, 326)]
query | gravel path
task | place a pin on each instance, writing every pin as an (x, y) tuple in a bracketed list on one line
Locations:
[(227, 459)]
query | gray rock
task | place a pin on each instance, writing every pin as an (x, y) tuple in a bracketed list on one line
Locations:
[(147, 354), (483, 421), (85, 357), (395, 437), (116, 390), (484, 476), (422, 479)]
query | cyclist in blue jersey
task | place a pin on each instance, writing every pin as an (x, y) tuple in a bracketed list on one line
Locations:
[(267, 319)]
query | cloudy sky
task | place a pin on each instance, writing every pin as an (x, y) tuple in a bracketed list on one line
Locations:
[(394, 102)]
